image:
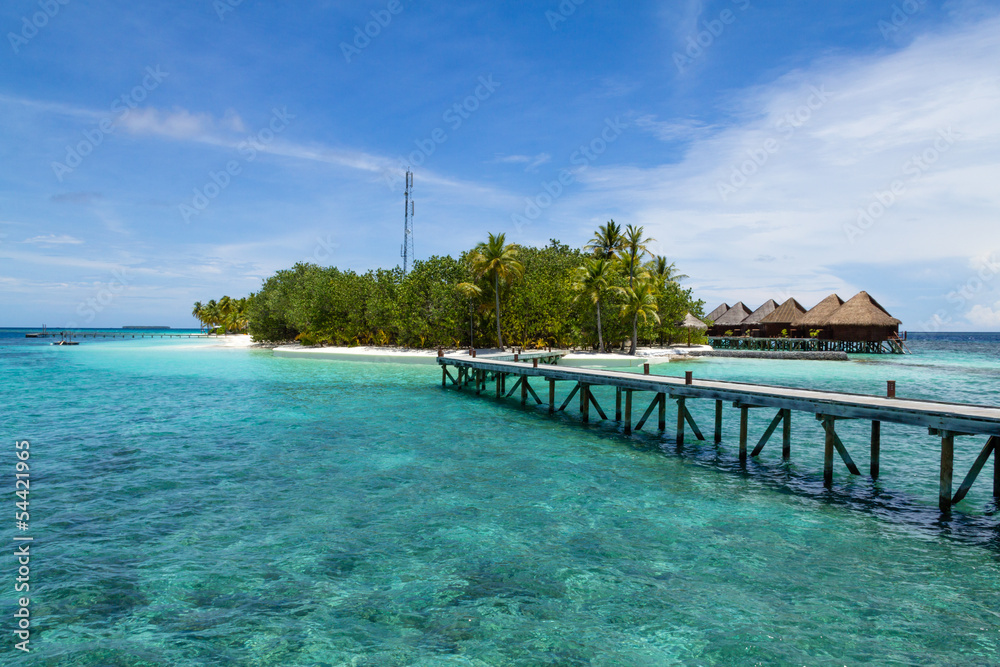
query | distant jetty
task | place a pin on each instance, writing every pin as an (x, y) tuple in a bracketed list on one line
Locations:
[(148, 328)]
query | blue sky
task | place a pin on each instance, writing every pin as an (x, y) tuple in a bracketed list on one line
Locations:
[(154, 154)]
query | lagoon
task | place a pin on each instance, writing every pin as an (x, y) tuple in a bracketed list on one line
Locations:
[(195, 505)]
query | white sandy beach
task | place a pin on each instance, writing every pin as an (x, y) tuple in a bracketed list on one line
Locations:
[(397, 355)]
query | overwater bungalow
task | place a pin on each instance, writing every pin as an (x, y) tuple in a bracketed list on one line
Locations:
[(717, 313), (817, 317), (730, 320), (751, 325), (781, 320), (862, 319)]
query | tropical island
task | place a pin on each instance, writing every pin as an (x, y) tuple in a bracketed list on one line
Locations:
[(612, 294)]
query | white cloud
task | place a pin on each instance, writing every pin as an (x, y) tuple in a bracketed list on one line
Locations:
[(532, 162), (53, 239), (177, 124), (984, 316), (821, 164)]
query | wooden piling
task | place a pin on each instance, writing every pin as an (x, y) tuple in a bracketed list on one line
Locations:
[(829, 426), (524, 390), (680, 422), (628, 412), (947, 466), (499, 380), (552, 396), (718, 422), (744, 428), (786, 434), (688, 377), (662, 421), (444, 376), (876, 448), (585, 402), (996, 471), (618, 404)]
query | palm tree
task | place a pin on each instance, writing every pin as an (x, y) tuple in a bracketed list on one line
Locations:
[(633, 250), (607, 241), (470, 291), (640, 301), (198, 313), (663, 272), (497, 261), (211, 314), (592, 282)]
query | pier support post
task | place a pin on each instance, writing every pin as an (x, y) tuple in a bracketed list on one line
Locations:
[(876, 448), (662, 425), (585, 402), (628, 412), (829, 426), (996, 471), (947, 465), (499, 379), (680, 421), (786, 434), (744, 427), (552, 396), (524, 390), (618, 404), (718, 422), (444, 375)]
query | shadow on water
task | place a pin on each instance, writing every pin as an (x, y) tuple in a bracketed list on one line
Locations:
[(857, 493)]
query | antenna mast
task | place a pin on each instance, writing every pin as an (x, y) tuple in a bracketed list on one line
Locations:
[(407, 250)]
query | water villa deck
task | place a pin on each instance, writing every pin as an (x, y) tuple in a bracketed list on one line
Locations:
[(944, 420)]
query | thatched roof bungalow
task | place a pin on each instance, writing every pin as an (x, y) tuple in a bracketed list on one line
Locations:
[(862, 319), (718, 312), (731, 319), (782, 318), (818, 316), (753, 321)]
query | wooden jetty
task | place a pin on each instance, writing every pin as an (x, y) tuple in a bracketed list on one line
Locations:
[(69, 335), (947, 421)]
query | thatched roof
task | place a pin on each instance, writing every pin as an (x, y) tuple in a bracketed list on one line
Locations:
[(786, 313), (756, 316), (862, 310), (718, 312), (820, 313), (692, 322), (734, 315)]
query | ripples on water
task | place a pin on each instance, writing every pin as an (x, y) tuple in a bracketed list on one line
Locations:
[(204, 507)]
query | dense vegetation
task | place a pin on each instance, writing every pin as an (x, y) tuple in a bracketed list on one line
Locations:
[(554, 295)]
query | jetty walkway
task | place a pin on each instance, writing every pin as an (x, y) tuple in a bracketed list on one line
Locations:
[(69, 335), (944, 420)]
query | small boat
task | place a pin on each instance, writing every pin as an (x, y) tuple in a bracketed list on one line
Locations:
[(66, 342)]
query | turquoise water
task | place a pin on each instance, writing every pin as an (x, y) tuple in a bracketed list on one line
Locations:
[(205, 506)]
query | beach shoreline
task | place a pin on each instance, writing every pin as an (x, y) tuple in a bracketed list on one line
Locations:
[(398, 355)]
